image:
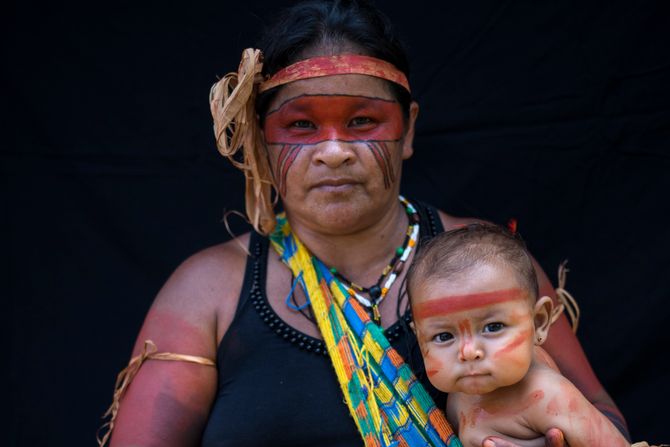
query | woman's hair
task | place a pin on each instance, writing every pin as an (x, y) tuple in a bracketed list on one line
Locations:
[(336, 24), (455, 252)]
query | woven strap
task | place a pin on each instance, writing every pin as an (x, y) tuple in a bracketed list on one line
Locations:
[(387, 403), (126, 376)]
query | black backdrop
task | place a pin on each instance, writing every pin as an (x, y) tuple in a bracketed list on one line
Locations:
[(554, 113)]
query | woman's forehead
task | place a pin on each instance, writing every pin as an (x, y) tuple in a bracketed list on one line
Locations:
[(345, 84)]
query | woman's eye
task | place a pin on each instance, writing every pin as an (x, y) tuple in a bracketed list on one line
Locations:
[(303, 124), (442, 337), (360, 121), (494, 327)]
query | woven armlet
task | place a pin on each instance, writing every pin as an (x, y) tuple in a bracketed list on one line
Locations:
[(127, 375), (567, 302)]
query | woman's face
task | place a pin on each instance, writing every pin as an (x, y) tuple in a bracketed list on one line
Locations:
[(336, 146)]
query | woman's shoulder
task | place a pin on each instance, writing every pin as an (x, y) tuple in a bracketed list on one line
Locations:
[(213, 266), (225, 256), (205, 287)]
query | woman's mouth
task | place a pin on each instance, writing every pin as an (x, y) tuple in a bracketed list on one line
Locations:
[(335, 184)]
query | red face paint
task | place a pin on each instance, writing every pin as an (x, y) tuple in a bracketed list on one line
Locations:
[(465, 328), (287, 156), (513, 344), (458, 303), (433, 366), (312, 119)]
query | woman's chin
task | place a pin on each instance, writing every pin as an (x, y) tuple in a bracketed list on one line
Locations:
[(335, 212)]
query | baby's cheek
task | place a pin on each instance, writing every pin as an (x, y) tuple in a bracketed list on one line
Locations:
[(433, 365), (518, 344), (513, 365)]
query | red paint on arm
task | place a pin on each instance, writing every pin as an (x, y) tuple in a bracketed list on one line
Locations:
[(565, 349), (168, 401), (458, 303)]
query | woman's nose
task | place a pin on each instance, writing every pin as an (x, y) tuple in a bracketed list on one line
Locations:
[(334, 153), (470, 349)]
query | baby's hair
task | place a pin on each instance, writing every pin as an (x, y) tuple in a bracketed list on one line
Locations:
[(455, 252)]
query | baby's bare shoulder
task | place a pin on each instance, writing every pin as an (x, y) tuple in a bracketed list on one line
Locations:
[(556, 396)]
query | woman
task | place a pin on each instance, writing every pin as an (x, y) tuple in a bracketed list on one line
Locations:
[(329, 134)]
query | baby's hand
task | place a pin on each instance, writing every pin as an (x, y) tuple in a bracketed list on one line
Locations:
[(553, 438)]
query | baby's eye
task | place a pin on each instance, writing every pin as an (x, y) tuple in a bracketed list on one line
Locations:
[(360, 121), (303, 124), (494, 327), (443, 337)]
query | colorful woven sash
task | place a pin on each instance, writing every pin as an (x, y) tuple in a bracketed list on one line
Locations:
[(388, 403)]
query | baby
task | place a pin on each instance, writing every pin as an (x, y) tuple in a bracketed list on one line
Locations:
[(479, 323)]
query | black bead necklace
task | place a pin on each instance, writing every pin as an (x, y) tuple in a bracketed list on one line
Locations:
[(378, 291)]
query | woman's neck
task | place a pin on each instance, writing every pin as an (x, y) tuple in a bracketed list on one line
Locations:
[(360, 256)]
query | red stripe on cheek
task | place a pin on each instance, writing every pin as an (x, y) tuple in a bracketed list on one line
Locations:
[(287, 156), (383, 158), (458, 303), (433, 366), (511, 346)]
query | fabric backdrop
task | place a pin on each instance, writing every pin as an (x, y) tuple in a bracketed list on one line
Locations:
[(553, 113)]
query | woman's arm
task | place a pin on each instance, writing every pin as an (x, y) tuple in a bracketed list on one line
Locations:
[(168, 402), (565, 349), (566, 408)]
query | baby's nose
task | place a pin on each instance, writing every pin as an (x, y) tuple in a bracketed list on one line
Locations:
[(470, 349)]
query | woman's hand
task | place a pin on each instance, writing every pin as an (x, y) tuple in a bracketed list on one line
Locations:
[(553, 438)]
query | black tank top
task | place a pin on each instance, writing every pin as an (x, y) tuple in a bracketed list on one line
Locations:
[(276, 385)]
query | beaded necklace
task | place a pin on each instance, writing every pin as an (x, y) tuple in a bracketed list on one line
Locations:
[(378, 291)]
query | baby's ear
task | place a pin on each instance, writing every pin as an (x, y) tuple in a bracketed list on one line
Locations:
[(542, 318)]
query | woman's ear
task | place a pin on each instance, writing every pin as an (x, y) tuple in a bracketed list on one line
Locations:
[(411, 325), (408, 141), (542, 318)]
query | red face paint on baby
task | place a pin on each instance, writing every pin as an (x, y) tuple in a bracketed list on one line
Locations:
[(518, 341), (311, 119), (458, 303)]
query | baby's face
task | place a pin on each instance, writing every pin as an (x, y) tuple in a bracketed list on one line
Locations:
[(476, 331)]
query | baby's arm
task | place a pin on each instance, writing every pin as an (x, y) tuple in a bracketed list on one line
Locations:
[(566, 408), (475, 422)]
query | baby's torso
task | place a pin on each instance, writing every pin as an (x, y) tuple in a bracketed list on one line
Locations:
[(476, 424), (516, 412)]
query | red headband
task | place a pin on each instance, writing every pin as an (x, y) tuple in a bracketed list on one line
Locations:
[(316, 67)]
